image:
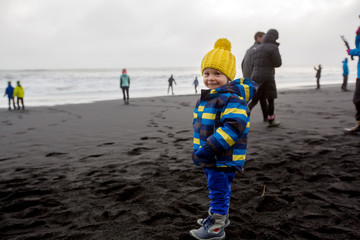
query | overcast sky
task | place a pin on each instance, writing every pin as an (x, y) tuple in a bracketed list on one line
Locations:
[(55, 34)]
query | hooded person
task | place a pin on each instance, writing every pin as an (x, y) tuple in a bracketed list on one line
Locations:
[(19, 93), (266, 59), (9, 91), (125, 85), (221, 125)]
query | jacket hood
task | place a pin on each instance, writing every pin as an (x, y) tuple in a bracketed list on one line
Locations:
[(241, 86), (271, 36)]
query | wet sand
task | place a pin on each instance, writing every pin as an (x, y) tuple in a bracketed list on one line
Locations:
[(111, 171)]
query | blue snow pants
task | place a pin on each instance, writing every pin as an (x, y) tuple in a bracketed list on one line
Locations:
[(219, 185)]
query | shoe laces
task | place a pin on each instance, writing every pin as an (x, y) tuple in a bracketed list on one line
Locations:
[(208, 222)]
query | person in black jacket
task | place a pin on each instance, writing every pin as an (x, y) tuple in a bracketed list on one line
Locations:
[(266, 58), (246, 64), (171, 80), (318, 75), (247, 68)]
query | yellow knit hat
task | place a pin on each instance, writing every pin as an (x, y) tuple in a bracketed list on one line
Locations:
[(220, 58)]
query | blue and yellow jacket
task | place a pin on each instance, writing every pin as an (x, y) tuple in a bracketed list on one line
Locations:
[(221, 124)]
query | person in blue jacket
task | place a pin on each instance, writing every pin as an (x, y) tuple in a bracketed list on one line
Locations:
[(10, 93), (356, 99), (221, 125), (345, 75)]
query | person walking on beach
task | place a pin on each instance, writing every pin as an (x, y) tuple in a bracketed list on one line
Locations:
[(356, 98), (247, 67), (9, 91), (318, 75), (196, 84), (19, 94), (221, 124), (125, 85), (171, 81), (266, 58), (345, 75)]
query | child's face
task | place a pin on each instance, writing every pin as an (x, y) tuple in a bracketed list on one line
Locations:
[(214, 78)]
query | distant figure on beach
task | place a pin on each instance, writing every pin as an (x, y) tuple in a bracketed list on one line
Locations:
[(247, 67), (318, 75), (125, 85), (171, 81), (266, 58), (196, 84), (19, 94), (356, 99), (221, 124), (9, 91), (345, 75)]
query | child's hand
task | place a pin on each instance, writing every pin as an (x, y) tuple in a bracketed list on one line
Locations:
[(205, 152), (348, 51)]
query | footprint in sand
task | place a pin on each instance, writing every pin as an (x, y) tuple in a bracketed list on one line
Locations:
[(4, 159), (148, 138), (181, 139), (138, 151), (19, 133), (159, 116), (152, 124), (130, 192), (270, 204), (105, 144), (54, 154), (185, 104), (182, 131), (7, 123), (91, 156)]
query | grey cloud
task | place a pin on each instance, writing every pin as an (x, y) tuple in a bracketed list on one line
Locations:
[(139, 33)]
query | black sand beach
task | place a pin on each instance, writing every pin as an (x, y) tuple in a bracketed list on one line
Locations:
[(111, 171)]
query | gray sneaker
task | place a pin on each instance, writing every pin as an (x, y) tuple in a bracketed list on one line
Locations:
[(212, 228), (201, 221)]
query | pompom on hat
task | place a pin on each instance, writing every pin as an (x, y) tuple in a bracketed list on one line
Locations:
[(221, 58)]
